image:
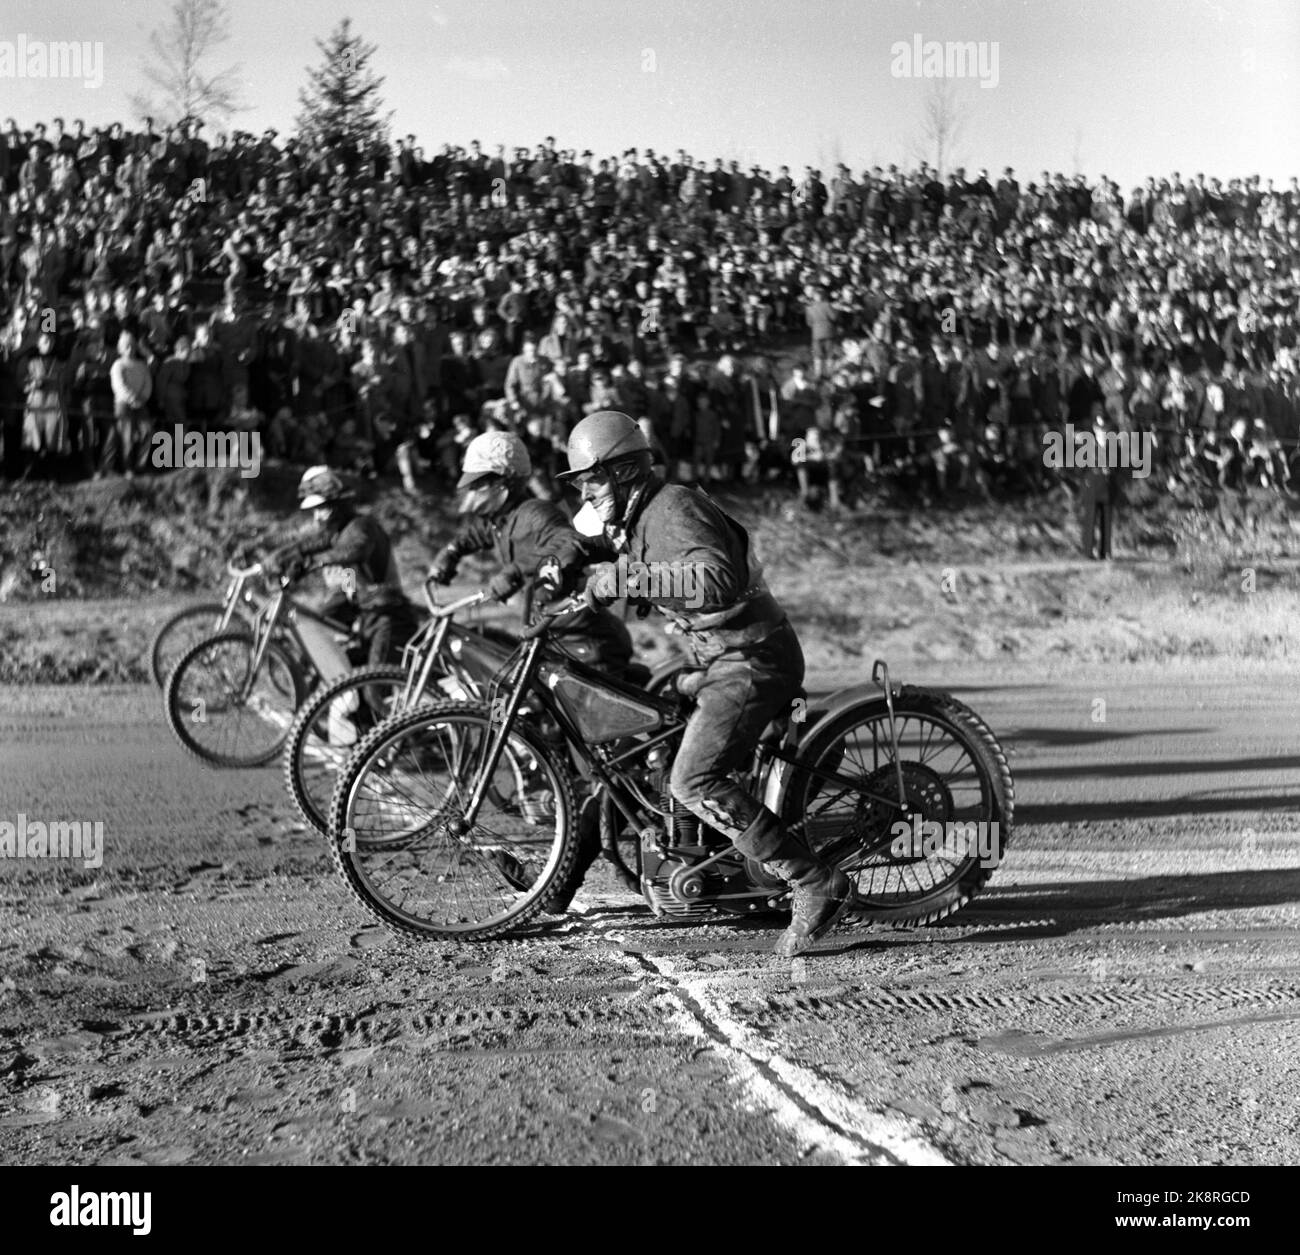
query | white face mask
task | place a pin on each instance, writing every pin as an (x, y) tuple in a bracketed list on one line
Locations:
[(588, 521)]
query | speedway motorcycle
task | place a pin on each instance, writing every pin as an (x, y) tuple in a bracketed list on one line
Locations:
[(230, 698), (454, 819)]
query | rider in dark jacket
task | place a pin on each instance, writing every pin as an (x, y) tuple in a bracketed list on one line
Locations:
[(703, 574), (528, 536), (356, 556)]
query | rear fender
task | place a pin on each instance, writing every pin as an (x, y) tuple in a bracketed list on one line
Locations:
[(870, 698)]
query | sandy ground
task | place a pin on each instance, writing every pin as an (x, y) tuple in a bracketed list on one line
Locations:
[(1126, 991)]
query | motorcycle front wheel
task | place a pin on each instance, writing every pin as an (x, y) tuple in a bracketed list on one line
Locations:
[(328, 728), (398, 837), (222, 713), (916, 863), (185, 629)]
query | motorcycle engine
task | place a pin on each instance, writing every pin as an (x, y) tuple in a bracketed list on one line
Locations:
[(677, 888)]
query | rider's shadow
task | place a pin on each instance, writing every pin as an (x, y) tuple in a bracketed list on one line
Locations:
[(1013, 913), (1065, 907), (1038, 912)]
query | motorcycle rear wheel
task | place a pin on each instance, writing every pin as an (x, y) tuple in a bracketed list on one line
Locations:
[(955, 776)]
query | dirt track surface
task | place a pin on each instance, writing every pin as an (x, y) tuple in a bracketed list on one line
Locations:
[(1127, 990)]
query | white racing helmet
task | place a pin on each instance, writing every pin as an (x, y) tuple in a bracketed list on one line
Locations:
[(495, 453), (494, 463), (320, 485)]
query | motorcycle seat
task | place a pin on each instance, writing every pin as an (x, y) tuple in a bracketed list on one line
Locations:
[(636, 673), (777, 729)]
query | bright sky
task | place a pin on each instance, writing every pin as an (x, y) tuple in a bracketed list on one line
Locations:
[(1121, 87)]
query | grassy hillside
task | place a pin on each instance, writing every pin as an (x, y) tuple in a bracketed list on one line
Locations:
[(981, 580)]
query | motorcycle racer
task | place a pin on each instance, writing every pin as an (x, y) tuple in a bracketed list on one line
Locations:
[(356, 555), (528, 535), (752, 664)]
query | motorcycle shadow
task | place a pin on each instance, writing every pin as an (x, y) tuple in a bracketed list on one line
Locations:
[(1058, 909)]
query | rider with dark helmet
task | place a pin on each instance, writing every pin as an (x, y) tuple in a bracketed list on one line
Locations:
[(752, 664), (356, 555)]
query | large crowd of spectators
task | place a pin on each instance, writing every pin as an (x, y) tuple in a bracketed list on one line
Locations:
[(375, 309)]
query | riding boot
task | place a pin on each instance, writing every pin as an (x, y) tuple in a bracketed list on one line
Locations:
[(821, 894), (558, 897)]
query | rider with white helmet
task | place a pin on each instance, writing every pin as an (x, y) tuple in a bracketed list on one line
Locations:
[(530, 536)]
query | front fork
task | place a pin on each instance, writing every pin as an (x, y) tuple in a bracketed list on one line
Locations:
[(263, 630), (414, 689), (503, 718), (234, 592)]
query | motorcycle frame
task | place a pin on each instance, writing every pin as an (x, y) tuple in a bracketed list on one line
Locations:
[(277, 617), (423, 649), (611, 773)]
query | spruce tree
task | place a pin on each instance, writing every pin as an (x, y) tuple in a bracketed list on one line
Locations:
[(342, 110)]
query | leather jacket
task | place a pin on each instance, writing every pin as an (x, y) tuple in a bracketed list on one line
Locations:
[(725, 602)]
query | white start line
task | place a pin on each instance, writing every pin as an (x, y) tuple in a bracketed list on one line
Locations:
[(819, 1116)]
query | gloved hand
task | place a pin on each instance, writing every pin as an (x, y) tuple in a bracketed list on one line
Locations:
[(443, 567), (505, 583), (689, 682), (603, 585), (547, 582)]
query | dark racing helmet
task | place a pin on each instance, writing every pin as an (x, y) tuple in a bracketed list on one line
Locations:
[(612, 440), (613, 453)]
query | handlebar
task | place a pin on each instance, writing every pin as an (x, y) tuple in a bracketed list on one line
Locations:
[(546, 615), (452, 607), (239, 573)]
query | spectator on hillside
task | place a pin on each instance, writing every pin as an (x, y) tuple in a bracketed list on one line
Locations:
[(173, 386), (821, 318), (45, 420), (126, 447)]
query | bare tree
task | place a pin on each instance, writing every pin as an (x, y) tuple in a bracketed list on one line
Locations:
[(941, 124), (181, 86)]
